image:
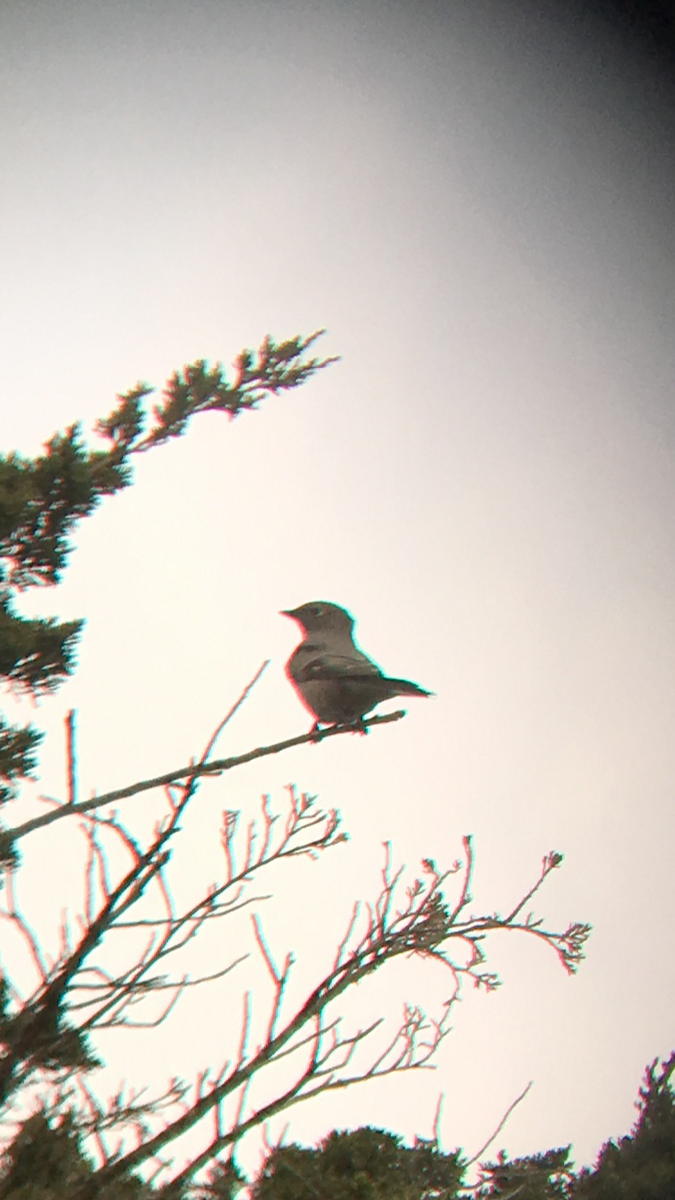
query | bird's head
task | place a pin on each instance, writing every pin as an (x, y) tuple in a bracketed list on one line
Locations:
[(319, 616)]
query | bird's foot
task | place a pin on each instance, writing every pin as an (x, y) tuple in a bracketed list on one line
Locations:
[(319, 729), (359, 726)]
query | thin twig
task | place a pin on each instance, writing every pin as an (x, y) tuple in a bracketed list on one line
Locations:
[(501, 1125), (235, 707), (437, 1121), (70, 753), (549, 863)]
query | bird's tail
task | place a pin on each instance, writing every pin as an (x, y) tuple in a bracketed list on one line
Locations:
[(405, 688)]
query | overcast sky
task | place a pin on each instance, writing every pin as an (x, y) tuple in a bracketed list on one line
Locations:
[(476, 201)]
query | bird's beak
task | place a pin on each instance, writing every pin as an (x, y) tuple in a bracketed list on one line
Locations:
[(287, 612)]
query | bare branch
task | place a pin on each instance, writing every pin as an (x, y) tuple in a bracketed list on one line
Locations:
[(217, 767), (412, 919), (422, 925)]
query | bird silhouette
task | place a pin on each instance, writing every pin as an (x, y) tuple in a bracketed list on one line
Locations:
[(335, 681)]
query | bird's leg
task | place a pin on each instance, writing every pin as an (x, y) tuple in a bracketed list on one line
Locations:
[(318, 729)]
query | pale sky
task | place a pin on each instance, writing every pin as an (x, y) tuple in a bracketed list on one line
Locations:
[(476, 202)]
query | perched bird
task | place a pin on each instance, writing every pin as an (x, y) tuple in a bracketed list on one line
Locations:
[(334, 680)]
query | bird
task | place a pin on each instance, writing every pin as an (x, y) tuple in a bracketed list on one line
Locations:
[(335, 681)]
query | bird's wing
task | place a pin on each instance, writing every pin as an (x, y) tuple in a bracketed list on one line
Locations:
[(323, 666)]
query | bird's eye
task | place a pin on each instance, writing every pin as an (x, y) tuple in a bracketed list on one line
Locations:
[(318, 609)]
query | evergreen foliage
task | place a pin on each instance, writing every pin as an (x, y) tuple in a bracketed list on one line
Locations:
[(366, 1164), (640, 1166), (43, 498), (46, 1161), (544, 1176)]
